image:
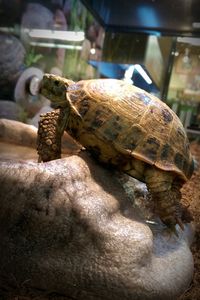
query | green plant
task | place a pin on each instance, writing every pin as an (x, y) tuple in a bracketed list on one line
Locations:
[(32, 57), (80, 17)]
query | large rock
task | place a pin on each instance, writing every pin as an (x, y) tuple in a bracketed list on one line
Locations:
[(68, 227)]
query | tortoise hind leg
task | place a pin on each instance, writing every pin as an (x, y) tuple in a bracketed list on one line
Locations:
[(50, 130), (166, 196)]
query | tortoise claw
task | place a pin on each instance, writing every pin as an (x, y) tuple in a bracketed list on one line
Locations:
[(180, 223), (172, 227)]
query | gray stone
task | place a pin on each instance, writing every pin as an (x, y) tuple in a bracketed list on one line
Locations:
[(11, 110), (68, 227)]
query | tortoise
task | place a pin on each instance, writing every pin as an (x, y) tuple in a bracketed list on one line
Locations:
[(125, 127)]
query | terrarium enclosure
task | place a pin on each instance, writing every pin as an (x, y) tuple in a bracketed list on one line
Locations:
[(73, 40), (73, 228)]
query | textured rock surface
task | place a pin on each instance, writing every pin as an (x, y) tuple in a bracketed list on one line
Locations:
[(66, 226), (17, 133)]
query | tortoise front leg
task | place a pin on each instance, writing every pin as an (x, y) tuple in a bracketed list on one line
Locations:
[(50, 131), (166, 196)]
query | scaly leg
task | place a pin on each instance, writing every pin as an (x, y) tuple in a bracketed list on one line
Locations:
[(50, 131), (166, 196)]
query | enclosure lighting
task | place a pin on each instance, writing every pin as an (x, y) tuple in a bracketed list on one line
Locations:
[(130, 70), (71, 36), (92, 51), (53, 45), (128, 74), (189, 40), (143, 74), (196, 24)]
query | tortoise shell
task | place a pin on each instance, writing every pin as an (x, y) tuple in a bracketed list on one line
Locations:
[(118, 121)]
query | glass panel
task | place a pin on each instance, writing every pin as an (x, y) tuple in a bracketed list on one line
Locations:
[(184, 87), (38, 37)]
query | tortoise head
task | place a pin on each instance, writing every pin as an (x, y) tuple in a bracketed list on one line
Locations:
[(54, 88)]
